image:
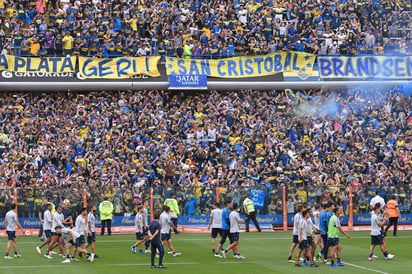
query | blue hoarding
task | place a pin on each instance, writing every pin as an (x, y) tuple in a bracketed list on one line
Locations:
[(188, 81), (203, 221)]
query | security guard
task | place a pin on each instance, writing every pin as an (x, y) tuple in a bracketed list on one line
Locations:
[(394, 213), (106, 213), (174, 209), (250, 212)]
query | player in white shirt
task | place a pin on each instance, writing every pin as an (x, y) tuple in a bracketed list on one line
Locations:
[(312, 227), (166, 224), (318, 238), (295, 240), (47, 226), (235, 222), (303, 234), (58, 219), (216, 223), (376, 234), (91, 230), (71, 238), (11, 222), (139, 230), (81, 230), (377, 200)]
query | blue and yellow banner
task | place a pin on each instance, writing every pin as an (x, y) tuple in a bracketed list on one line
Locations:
[(36, 64), (361, 67), (118, 68), (241, 67)]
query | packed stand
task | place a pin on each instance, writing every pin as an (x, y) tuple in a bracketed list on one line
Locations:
[(119, 144), (202, 28)]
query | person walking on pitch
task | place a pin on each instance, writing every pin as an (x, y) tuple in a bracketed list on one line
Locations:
[(235, 222), (334, 228), (250, 212), (376, 234), (10, 223), (174, 210), (154, 236), (394, 213), (139, 230), (216, 223)]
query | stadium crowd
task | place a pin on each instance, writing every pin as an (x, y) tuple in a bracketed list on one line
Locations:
[(203, 28), (118, 144)]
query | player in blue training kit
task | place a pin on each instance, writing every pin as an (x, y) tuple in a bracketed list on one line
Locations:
[(323, 225), (154, 236), (225, 227)]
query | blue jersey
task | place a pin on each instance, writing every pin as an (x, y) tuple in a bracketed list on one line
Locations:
[(225, 218), (323, 217), (155, 226)]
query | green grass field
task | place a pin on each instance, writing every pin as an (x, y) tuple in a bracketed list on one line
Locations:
[(266, 252)]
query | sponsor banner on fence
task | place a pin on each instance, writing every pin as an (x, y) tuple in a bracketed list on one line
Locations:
[(187, 81), (365, 219), (36, 64), (118, 68), (203, 221), (361, 67), (242, 67)]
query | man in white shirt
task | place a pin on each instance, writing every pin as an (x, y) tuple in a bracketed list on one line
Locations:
[(235, 222), (377, 199), (303, 234), (139, 230), (295, 240), (58, 219), (216, 223), (166, 223), (81, 228), (91, 230), (72, 238), (376, 234), (47, 226), (10, 223)]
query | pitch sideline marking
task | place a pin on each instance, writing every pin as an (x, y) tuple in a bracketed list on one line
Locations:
[(365, 268), (70, 265)]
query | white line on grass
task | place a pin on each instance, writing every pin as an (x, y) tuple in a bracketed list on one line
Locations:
[(365, 268), (145, 264), (68, 265)]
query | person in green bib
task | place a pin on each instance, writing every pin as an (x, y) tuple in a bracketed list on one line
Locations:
[(250, 212), (174, 209), (334, 228), (106, 214)]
